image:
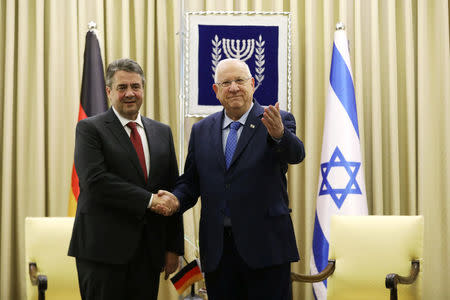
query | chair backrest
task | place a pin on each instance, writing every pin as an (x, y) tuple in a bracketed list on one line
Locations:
[(367, 248), (46, 244)]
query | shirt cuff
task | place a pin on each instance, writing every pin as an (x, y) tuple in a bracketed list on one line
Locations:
[(276, 140), (150, 201)]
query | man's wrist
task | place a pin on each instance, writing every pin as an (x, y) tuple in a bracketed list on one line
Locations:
[(278, 140)]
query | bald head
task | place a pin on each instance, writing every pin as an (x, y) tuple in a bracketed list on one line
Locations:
[(231, 61), (234, 87)]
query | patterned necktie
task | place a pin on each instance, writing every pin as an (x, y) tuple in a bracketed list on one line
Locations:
[(137, 143), (231, 142)]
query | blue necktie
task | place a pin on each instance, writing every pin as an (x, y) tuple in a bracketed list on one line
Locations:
[(231, 142)]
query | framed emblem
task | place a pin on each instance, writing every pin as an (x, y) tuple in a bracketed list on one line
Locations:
[(261, 39)]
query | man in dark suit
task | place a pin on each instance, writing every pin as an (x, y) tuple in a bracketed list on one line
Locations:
[(121, 158), (247, 240)]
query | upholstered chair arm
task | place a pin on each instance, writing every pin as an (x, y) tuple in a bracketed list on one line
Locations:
[(393, 279), (39, 280), (329, 269)]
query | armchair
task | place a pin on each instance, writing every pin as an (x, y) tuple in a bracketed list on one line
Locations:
[(367, 254), (46, 244)]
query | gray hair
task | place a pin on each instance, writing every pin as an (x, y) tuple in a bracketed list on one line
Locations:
[(123, 64), (227, 60)]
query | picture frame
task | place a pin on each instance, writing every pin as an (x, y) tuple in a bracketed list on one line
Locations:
[(261, 39)]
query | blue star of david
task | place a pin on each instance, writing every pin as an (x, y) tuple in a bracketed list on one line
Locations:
[(352, 168)]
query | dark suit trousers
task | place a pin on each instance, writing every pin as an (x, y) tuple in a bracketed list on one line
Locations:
[(136, 280), (235, 280)]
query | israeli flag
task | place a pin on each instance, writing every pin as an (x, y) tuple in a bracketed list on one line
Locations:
[(341, 189)]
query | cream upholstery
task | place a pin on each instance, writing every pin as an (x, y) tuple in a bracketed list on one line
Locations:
[(367, 248), (46, 244)]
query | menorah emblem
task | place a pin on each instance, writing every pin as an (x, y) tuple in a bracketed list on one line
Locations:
[(238, 50), (242, 50)]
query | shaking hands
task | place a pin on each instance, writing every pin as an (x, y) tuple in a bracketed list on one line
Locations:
[(164, 203)]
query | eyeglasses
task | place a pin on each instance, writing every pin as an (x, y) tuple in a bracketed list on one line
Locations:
[(228, 83)]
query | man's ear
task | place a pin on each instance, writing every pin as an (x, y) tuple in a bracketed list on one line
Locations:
[(216, 89), (108, 91)]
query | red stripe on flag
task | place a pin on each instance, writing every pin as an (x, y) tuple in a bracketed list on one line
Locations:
[(189, 282), (186, 277), (81, 113), (75, 183)]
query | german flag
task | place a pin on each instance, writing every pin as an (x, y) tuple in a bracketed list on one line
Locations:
[(93, 99), (187, 276)]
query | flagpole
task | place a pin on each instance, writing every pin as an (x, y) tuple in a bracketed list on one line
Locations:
[(92, 26), (181, 102), (181, 97), (340, 26), (193, 295)]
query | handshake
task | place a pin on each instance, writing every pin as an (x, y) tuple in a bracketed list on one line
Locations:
[(164, 203)]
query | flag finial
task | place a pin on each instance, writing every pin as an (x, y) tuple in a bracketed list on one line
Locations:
[(340, 26), (92, 25)]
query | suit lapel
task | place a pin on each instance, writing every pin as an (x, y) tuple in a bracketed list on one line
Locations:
[(114, 125), (216, 136), (249, 129), (150, 133)]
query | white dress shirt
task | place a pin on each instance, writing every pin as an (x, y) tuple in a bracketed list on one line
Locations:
[(141, 131), (226, 126)]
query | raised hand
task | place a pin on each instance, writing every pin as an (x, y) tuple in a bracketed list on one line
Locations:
[(272, 120), (164, 203)]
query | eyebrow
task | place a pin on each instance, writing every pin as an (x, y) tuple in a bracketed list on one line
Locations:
[(126, 84), (235, 78)]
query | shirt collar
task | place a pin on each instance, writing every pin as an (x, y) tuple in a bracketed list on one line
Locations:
[(227, 120), (125, 121)]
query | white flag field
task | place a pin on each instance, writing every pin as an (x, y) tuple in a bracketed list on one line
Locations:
[(341, 188)]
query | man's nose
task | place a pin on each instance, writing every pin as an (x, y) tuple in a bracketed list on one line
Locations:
[(234, 86), (129, 92)]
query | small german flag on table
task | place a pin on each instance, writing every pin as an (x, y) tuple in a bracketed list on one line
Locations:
[(187, 276)]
